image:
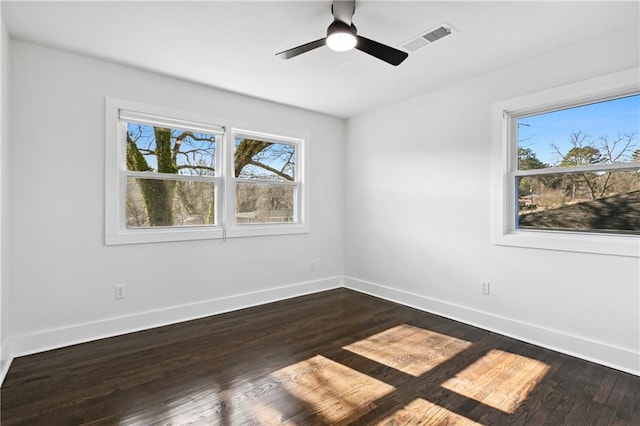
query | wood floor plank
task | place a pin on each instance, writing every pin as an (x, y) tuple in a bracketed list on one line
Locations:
[(336, 357)]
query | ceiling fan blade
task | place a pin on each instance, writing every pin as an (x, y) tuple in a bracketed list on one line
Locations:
[(381, 51), (343, 10), (303, 48)]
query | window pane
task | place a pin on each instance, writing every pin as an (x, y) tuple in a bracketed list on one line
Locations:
[(264, 203), (598, 133), (264, 160), (588, 202), (175, 151), (157, 202)]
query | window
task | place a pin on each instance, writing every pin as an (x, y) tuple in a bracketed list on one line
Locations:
[(170, 172), (266, 179), (578, 168), (266, 184), (168, 178), (570, 168)]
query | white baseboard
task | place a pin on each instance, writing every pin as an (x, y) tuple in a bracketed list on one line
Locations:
[(81, 333), (598, 352)]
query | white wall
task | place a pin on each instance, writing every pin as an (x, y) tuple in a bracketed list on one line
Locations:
[(5, 355), (63, 275), (418, 217)]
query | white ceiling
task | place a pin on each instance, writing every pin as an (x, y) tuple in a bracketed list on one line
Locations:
[(231, 45)]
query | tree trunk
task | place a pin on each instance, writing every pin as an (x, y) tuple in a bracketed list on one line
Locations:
[(157, 194)]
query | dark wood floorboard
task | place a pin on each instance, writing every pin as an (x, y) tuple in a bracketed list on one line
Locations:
[(337, 357)]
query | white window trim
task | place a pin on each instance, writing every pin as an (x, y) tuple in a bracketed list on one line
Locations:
[(503, 167), (225, 227)]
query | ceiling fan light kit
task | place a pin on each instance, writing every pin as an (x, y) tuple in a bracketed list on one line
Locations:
[(342, 36)]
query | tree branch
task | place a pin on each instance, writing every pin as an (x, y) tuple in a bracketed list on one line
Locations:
[(270, 169)]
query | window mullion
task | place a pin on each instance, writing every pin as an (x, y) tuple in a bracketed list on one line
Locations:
[(169, 176), (256, 181), (229, 207), (579, 169)]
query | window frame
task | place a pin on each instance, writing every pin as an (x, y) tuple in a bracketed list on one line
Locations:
[(116, 173), (504, 166), (235, 229)]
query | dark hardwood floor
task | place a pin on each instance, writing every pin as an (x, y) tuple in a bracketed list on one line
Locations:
[(337, 357)]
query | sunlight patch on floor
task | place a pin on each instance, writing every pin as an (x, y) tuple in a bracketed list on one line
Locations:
[(264, 414), (499, 379), (338, 392), (421, 412), (412, 350), (190, 407)]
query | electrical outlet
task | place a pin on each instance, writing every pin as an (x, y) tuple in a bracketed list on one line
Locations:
[(484, 287), (312, 265), (120, 293)]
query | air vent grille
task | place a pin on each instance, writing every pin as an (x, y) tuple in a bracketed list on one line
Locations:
[(428, 37), (437, 34)]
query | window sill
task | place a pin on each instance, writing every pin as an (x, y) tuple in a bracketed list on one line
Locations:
[(614, 245), (255, 230), (160, 235)]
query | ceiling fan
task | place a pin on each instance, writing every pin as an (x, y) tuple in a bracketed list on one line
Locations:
[(342, 35)]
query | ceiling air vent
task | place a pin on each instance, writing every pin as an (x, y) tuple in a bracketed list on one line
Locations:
[(437, 34), (428, 37)]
